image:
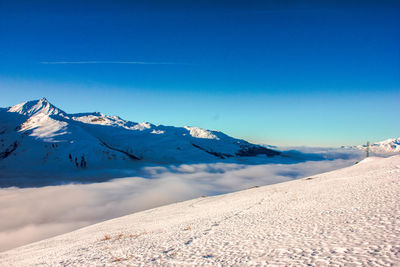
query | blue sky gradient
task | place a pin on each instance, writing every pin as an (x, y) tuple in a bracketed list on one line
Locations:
[(305, 73)]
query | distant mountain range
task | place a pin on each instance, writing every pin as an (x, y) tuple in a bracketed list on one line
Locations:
[(391, 145), (37, 137), (39, 140)]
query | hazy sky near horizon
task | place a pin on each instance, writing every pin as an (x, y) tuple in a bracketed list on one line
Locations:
[(321, 73)]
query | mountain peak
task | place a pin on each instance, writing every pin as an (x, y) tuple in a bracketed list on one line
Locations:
[(33, 107)]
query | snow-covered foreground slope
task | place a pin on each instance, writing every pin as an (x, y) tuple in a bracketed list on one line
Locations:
[(349, 216)]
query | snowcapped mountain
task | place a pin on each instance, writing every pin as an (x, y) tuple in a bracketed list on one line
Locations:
[(388, 146), (36, 136)]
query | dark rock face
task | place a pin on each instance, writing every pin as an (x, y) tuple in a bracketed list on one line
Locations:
[(130, 155), (245, 151), (251, 151), (218, 155), (9, 150)]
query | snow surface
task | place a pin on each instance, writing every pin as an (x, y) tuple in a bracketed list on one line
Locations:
[(201, 133), (33, 107), (344, 217)]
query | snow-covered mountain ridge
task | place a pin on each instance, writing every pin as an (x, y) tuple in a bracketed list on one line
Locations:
[(347, 217), (41, 137), (391, 145)]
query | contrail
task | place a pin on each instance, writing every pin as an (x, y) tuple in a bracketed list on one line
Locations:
[(114, 62)]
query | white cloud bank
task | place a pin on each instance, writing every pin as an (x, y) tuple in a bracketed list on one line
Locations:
[(32, 214)]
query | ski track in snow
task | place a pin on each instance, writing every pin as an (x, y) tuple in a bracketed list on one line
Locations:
[(345, 217)]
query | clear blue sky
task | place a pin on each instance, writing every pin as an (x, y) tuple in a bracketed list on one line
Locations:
[(321, 73)]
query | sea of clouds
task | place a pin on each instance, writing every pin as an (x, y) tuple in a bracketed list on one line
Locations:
[(32, 214)]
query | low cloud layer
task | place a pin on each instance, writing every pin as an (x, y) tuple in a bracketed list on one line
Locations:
[(32, 214)]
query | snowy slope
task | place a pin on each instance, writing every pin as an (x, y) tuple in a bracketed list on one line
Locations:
[(47, 141), (345, 217), (388, 146)]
